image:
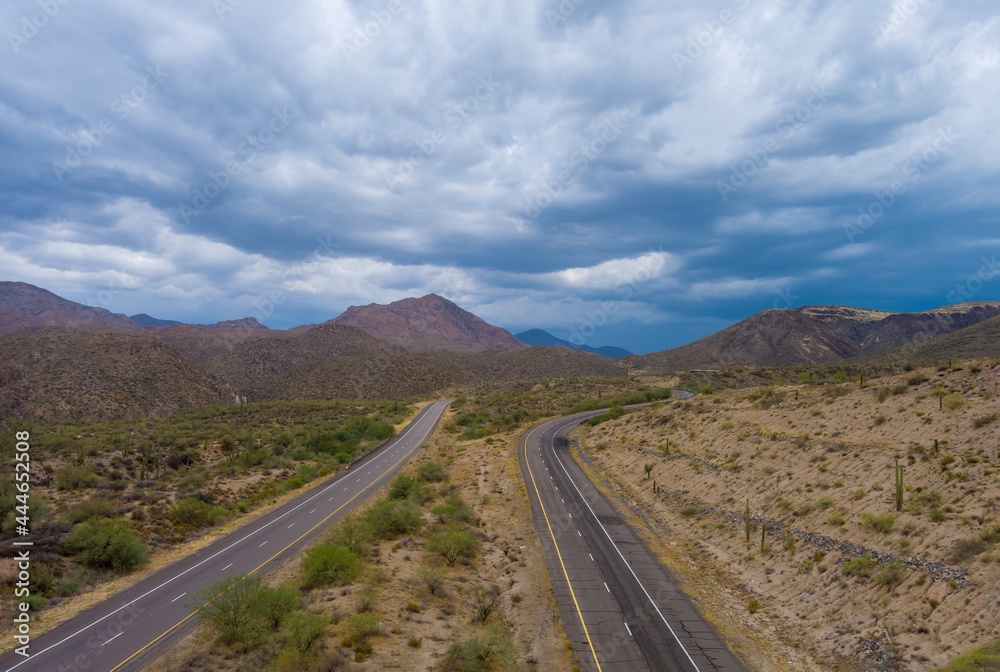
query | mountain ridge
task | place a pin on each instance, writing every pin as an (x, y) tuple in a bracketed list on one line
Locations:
[(815, 334), (544, 338)]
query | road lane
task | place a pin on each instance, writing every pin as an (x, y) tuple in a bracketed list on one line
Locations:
[(129, 630), (620, 607)]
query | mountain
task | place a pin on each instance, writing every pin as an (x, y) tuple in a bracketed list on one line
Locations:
[(428, 324), (144, 320), (815, 334), (242, 323), (24, 306), (979, 340), (541, 337), (111, 374)]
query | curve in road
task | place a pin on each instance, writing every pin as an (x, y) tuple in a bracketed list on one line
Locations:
[(619, 604), (141, 623)]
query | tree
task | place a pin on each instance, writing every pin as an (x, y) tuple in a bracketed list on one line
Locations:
[(648, 468), (453, 545), (242, 610), (229, 606)]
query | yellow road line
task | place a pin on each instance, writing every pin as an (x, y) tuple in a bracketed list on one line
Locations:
[(558, 553), (182, 621)]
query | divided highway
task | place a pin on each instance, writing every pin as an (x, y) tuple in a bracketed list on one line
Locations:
[(133, 628), (619, 605)]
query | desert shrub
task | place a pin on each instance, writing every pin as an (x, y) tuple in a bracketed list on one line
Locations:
[(861, 566), (485, 601), (891, 575), (76, 477), (91, 508), (954, 401), (824, 502), (433, 472), (925, 499), (107, 544), (881, 524), (242, 611), (324, 565), (858, 495), (433, 578), (455, 510), (967, 548), (983, 420), (406, 487), (303, 630), (835, 518), (917, 379), (195, 513), (985, 659), (492, 652), (388, 519), (454, 545), (353, 533), (306, 472)]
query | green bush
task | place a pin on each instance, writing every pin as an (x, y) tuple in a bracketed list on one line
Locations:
[(433, 472), (107, 544), (454, 545), (74, 477), (388, 519), (242, 611), (91, 508), (455, 510), (492, 652), (406, 487), (985, 659), (891, 575), (194, 513), (325, 565), (861, 566), (881, 524)]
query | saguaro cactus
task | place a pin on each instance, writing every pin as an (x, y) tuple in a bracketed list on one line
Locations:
[(899, 486), (748, 522)]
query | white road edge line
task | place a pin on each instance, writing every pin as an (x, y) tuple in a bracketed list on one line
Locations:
[(631, 571), (189, 569)]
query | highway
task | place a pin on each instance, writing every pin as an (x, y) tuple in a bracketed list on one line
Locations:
[(130, 630), (619, 605)]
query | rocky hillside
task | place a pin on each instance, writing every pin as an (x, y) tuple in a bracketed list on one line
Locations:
[(428, 324), (71, 374), (979, 340), (815, 334), (24, 306)]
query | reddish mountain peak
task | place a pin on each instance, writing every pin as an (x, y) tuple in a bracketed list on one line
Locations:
[(428, 323)]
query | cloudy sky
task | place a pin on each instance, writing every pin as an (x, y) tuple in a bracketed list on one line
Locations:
[(630, 173)]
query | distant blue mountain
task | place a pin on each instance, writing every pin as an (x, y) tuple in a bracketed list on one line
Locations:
[(540, 337), (144, 320)]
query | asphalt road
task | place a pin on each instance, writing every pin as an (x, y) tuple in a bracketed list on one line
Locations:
[(619, 605), (131, 629)]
